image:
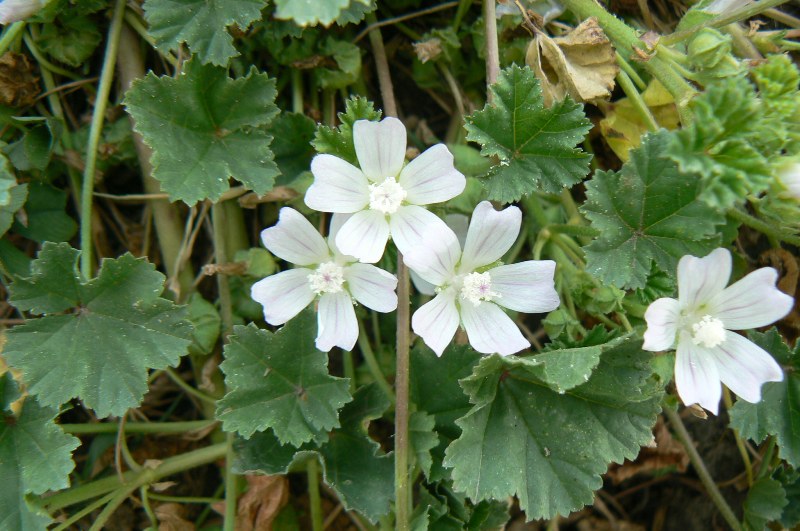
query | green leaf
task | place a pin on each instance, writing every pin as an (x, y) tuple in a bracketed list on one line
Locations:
[(765, 502), (312, 12), (778, 81), (535, 145), (205, 127), (423, 439), (7, 182), (347, 57), (18, 195), (352, 463), (280, 381), (206, 322), (790, 481), (647, 212), (119, 328), (292, 133), (523, 438), (338, 141), (441, 509), (356, 11), (721, 145), (71, 40), (201, 24), (778, 412), (35, 457), (34, 150), (45, 218)]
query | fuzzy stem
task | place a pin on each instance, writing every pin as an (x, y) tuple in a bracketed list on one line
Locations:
[(762, 227), (636, 99), (312, 473), (700, 468), (95, 130), (492, 49), (749, 10)]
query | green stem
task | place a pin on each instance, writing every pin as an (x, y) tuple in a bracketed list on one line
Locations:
[(402, 483), (230, 486), (765, 467), (182, 499), (749, 10), (748, 465), (372, 363), (188, 388), (492, 48), (312, 473), (165, 428), (86, 510), (221, 257), (119, 497), (44, 64), (297, 91), (146, 476), (628, 69), (95, 130), (636, 99), (10, 35), (700, 468), (762, 227)]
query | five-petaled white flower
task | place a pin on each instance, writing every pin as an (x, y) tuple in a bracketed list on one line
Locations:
[(336, 279), (470, 294), (383, 195), (701, 320)]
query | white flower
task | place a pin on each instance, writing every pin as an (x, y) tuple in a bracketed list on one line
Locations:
[(470, 294), (789, 176), (327, 274), (16, 10), (701, 320), (383, 195)]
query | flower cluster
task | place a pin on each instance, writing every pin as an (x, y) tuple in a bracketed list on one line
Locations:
[(385, 197)]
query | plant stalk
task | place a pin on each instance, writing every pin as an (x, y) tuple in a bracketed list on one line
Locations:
[(165, 428), (312, 473), (95, 130), (492, 49)]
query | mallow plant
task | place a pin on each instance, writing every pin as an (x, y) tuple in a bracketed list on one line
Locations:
[(212, 213)]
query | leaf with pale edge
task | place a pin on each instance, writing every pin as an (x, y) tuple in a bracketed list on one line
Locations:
[(35, 457), (18, 194), (352, 464), (312, 12), (101, 352), (523, 438), (202, 24), (535, 145), (339, 141), (205, 127), (765, 502), (646, 212), (778, 412), (721, 145), (280, 381)]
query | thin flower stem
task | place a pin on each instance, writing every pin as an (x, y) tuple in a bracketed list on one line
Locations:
[(492, 49), (182, 499), (700, 468), (748, 465), (83, 512), (95, 130), (221, 257), (372, 363), (10, 35), (636, 99), (762, 227), (402, 483), (382, 67), (119, 497), (312, 473), (175, 377), (628, 69), (44, 64), (765, 467), (164, 428), (230, 486)]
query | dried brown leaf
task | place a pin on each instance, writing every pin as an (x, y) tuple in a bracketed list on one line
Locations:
[(170, 517), (259, 506)]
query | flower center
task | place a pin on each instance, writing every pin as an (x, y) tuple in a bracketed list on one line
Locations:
[(708, 332), (477, 287), (386, 196), (328, 278)]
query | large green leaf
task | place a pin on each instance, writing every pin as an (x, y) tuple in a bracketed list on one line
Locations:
[(352, 463), (280, 381), (100, 352), (550, 448), (778, 412), (205, 127), (202, 24), (35, 456), (46, 219), (765, 502), (647, 212), (535, 145)]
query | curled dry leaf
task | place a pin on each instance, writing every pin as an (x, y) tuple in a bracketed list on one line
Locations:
[(259, 506), (171, 518), (581, 64)]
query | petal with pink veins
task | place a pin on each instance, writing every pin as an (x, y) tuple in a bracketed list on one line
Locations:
[(283, 295)]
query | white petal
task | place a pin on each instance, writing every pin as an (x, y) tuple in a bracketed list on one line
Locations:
[(364, 236), (435, 258), (283, 295), (491, 234), (744, 366), (490, 330), (337, 325), (372, 287), (696, 375), (431, 177), (751, 302), (699, 279), (662, 324), (436, 322), (337, 220), (338, 186), (422, 285), (526, 287), (410, 224), (380, 147), (295, 239)]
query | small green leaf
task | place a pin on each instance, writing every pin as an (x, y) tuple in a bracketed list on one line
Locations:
[(46, 219), (564, 369), (423, 439), (347, 57), (71, 40), (356, 11), (535, 145), (790, 481), (292, 134), (101, 352), (207, 324), (778, 81), (201, 24), (338, 141), (312, 12), (765, 502), (35, 457), (280, 381), (647, 212), (778, 412), (205, 127), (523, 438)]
